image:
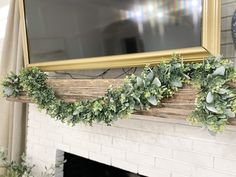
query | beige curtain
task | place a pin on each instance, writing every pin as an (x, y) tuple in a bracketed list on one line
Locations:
[(12, 115)]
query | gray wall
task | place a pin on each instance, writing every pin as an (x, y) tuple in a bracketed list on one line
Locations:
[(227, 48)]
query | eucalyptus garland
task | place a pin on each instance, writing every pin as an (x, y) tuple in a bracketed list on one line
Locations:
[(215, 103)]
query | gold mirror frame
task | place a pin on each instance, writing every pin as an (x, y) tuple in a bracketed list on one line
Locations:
[(211, 25)]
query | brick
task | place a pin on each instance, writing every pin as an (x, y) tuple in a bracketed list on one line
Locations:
[(47, 157), (79, 151), (228, 166), (125, 144), (33, 139), (100, 139), (193, 132), (141, 136), (76, 136), (54, 136), (39, 149), (59, 174), (46, 142), (30, 131), (41, 133), (96, 128), (129, 124), (104, 159), (114, 131), (34, 124), (226, 23), (176, 174), (74, 139), (226, 37), (113, 152), (91, 147), (228, 137), (228, 9), (174, 142), (156, 151), (153, 172), (177, 167), (138, 123), (123, 164), (200, 172), (59, 156), (157, 127), (230, 52), (140, 159), (39, 166), (222, 150), (63, 147), (194, 158), (226, 2)]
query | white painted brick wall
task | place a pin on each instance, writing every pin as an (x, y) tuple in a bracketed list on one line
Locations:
[(180, 150)]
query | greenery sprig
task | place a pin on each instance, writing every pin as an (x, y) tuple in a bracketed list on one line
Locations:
[(215, 103), (216, 99), (23, 168), (13, 168)]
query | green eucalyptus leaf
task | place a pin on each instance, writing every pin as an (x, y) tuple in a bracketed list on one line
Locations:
[(139, 81), (211, 108), (230, 113), (75, 112), (185, 75), (156, 82), (177, 83), (153, 100), (8, 91), (222, 91), (177, 65), (212, 133), (209, 98), (219, 71), (150, 76)]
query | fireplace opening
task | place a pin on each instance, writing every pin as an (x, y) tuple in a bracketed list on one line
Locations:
[(76, 166)]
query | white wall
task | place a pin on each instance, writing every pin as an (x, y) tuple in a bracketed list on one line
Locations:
[(4, 5)]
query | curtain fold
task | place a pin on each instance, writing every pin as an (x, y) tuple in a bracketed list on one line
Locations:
[(12, 115)]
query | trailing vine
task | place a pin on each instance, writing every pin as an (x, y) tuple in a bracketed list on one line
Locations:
[(215, 103)]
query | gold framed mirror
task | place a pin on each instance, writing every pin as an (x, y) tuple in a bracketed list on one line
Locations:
[(95, 34)]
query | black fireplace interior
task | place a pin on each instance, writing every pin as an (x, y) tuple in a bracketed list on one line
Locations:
[(76, 166)]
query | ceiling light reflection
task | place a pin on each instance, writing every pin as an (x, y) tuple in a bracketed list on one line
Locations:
[(160, 15), (161, 12)]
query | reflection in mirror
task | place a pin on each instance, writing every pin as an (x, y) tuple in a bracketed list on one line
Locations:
[(75, 29)]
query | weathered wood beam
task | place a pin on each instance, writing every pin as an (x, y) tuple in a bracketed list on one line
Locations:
[(178, 107)]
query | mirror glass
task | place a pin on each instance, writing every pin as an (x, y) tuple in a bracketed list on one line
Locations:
[(76, 29)]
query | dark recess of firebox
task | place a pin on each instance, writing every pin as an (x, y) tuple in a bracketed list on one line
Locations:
[(76, 166)]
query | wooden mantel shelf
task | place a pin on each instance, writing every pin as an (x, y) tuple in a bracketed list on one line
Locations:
[(178, 107)]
